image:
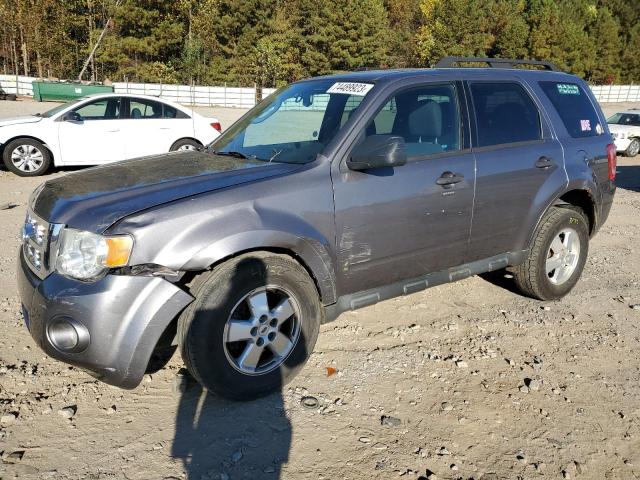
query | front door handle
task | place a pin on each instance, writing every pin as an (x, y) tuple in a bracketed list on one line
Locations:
[(449, 178), (544, 163)]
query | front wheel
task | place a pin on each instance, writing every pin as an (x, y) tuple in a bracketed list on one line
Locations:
[(557, 256), (26, 157), (252, 326), (633, 148)]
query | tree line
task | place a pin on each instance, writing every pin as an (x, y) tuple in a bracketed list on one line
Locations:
[(273, 42)]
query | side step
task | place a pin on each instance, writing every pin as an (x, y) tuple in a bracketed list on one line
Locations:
[(406, 287)]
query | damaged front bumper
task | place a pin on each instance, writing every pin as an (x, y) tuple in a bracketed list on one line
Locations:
[(118, 320)]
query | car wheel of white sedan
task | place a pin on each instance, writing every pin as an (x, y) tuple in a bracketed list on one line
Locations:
[(633, 149), (186, 144), (26, 157)]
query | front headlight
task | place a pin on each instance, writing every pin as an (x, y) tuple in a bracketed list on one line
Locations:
[(86, 255)]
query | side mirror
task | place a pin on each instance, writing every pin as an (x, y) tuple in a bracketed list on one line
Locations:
[(378, 151), (72, 117)]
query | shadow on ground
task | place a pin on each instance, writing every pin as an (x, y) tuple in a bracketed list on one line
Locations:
[(628, 177), (218, 439)]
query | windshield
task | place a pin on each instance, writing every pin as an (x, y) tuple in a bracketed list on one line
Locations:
[(59, 108), (632, 119), (294, 124)]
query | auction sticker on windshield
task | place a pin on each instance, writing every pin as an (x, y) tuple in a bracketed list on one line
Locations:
[(351, 88)]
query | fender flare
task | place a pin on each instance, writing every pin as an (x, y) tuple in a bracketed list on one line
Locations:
[(311, 253), (576, 185)]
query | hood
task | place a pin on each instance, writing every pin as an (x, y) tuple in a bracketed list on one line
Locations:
[(19, 120), (95, 198)]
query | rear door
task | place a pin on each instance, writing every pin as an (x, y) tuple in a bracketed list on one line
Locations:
[(151, 127), (399, 223), (519, 162)]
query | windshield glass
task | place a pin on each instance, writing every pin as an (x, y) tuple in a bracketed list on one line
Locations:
[(59, 108), (632, 119), (294, 124)]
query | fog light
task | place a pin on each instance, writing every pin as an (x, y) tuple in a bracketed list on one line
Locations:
[(68, 335)]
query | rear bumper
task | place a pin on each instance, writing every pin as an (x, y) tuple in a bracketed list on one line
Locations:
[(123, 315)]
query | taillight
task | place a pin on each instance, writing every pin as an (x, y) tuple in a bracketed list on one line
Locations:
[(612, 160), (217, 126)]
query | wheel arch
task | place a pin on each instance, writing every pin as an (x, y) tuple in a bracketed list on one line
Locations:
[(184, 138), (30, 137), (310, 254), (580, 196)]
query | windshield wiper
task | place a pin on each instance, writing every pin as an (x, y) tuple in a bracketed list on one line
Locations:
[(231, 154)]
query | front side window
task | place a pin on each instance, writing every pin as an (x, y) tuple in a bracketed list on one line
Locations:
[(631, 119), (103, 109), (504, 114), (426, 117), (294, 124), (574, 107)]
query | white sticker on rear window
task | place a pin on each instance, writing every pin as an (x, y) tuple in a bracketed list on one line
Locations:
[(585, 125), (351, 88), (568, 89)]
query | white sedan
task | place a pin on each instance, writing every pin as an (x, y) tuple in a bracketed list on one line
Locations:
[(625, 129), (100, 129)]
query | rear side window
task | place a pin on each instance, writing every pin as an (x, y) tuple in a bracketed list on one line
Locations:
[(504, 114), (574, 107)]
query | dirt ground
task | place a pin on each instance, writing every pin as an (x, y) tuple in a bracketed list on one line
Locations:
[(431, 385)]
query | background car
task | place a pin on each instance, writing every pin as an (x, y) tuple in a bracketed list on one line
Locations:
[(100, 129), (625, 129)]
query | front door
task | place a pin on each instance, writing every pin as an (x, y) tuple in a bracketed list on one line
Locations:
[(400, 223), (96, 137)]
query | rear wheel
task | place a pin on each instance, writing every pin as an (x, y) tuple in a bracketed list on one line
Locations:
[(26, 157), (633, 149), (557, 255), (252, 326), (187, 144)]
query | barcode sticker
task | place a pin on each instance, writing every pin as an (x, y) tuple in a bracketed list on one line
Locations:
[(351, 88)]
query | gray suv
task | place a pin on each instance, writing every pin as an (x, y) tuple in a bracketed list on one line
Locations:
[(332, 194)]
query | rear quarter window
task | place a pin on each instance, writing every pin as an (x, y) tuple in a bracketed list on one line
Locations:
[(574, 108)]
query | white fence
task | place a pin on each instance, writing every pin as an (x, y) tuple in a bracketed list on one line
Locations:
[(17, 84), (196, 94), (616, 93), (246, 97)]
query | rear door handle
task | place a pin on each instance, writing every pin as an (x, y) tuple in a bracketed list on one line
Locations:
[(113, 131), (544, 163), (449, 178)]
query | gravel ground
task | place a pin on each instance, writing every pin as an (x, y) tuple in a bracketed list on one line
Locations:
[(463, 381)]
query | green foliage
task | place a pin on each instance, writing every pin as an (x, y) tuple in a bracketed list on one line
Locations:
[(273, 42)]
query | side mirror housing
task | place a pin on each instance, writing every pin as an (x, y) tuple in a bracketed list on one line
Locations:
[(72, 117), (378, 151)]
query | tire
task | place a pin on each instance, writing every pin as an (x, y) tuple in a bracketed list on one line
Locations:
[(185, 144), (26, 157), (235, 288), (633, 149), (534, 277)]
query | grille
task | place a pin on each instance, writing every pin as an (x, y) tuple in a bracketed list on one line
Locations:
[(39, 244)]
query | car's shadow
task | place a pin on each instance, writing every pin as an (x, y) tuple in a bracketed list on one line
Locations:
[(628, 177), (218, 439)]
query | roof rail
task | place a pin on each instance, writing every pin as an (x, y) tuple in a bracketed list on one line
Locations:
[(448, 62)]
